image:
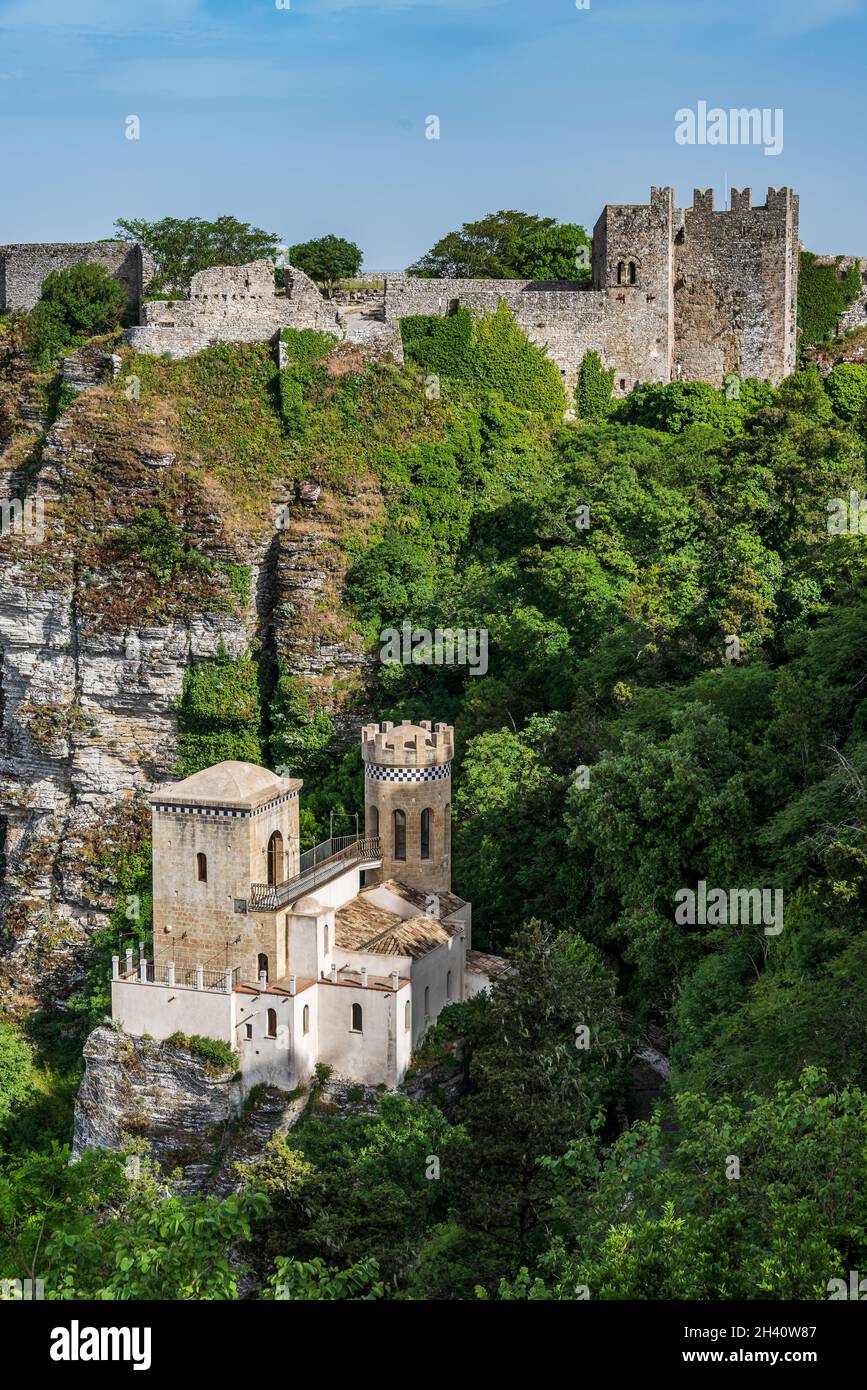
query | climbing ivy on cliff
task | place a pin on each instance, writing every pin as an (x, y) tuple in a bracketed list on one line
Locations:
[(219, 713), (823, 297), (493, 353)]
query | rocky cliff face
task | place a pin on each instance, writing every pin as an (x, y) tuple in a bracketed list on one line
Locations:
[(136, 1087)]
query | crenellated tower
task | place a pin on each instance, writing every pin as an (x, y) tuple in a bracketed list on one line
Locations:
[(407, 800)]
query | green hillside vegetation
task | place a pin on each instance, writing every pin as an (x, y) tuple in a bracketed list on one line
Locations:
[(699, 650)]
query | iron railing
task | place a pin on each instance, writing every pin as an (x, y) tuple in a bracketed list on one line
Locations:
[(185, 975), (317, 865)]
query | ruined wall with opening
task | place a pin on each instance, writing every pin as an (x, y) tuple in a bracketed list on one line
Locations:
[(231, 304)]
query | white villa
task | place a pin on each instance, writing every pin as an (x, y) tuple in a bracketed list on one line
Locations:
[(344, 954)]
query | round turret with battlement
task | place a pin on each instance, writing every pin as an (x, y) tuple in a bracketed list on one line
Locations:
[(407, 800)]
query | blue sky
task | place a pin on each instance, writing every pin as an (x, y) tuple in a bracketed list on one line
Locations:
[(312, 119)]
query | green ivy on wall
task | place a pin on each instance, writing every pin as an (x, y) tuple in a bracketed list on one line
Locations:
[(823, 297)]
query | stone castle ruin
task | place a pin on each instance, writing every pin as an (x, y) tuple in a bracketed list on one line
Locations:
[(690, 294), (676, 293), (24, 268), (231, 304)]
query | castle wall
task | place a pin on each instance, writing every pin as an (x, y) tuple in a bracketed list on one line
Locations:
[(231, 304), (735, 288), (156, 1010), (561, 316), (374, 1055), (632, 265), (691, 294), (23, 268)]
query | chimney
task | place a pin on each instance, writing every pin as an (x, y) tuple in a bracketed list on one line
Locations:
[(394, 980), (364, 977), (333, 973), (292, 983)]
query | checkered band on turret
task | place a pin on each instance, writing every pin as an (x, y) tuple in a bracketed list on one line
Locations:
[(408, 774)]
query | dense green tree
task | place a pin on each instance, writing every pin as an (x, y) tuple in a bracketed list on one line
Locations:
[(503, 246), (545, 1059), (327, 260), (182, 246), (752, 1199)]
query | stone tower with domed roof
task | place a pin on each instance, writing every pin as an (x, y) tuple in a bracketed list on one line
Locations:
[(407, 800), (214, 834)]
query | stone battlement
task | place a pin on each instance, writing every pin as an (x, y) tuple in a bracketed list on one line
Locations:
[(408, 744), (231, 304)]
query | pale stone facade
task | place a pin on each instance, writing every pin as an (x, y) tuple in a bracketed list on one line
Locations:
[(344, 955)]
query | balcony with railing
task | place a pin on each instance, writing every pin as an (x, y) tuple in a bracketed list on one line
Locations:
[(318, 865), (135, 967)]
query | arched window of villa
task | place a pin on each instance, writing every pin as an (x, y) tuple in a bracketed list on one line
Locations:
[(357, 1019), (202, 868), (426, 817), (272, 1023), (275, 859)]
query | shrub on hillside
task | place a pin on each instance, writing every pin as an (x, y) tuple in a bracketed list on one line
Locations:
[(846, 385), (74, 304)]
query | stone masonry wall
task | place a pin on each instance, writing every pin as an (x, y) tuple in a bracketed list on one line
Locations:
[(856, 315), (691, 294), (561, 316), (232, 304), (23, 268), (735, 288)]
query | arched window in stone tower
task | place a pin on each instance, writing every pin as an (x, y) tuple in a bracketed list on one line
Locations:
[(447, 828), (272, 1023), (275, 859), (202, 868), (373, 819), (633, 277), (620, 272), (424, 837), (400, 835)]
